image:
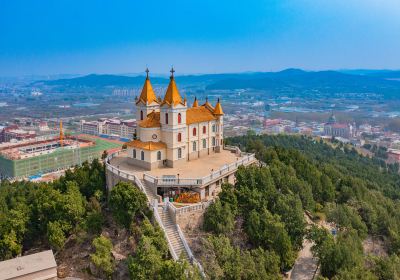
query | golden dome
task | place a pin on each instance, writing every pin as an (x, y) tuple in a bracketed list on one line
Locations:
[(172, 96), (195, 103), (147, 96), (218, 109)]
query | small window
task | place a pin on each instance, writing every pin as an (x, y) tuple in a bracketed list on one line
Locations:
[(194, 146), (142, 155), (179, 153), (204, 129), (166, 118), (179, 137), (158, 155), (213, 128), (134, 153), (194, 131), (204, 143), (141, 115), (213, 141), (179, 118)]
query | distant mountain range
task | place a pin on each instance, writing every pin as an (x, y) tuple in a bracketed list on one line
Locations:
[(303, 80), (291, 80)]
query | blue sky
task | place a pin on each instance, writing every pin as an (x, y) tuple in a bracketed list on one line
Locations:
[(71, 36)]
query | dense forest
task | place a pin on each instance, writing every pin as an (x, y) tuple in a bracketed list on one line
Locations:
[(73, 211), (257, 225), (254, 230)]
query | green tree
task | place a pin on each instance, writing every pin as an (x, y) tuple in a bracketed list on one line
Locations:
[(126, 201), (9, 245), (342, 254), (102, 257), (387, 268), (147, 262), (56, 235), (219, 218), (266, 230)]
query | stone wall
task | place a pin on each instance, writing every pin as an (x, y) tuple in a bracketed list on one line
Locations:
[(191, 220)]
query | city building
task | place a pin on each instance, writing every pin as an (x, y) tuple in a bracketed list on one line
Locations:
[(90, 127), (110, 127), (39, 266), (334, 129), (14, 133), (122, 128), (23, 159)]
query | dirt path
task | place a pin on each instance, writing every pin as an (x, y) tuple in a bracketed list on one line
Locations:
[(305, 267)]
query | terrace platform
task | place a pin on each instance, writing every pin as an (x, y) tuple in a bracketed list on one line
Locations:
[(204, 175), (196, 168)]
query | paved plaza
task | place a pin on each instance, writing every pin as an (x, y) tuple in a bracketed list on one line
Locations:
[(196, 168)]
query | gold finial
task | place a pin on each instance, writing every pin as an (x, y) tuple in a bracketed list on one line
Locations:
[(147, 73), (172, 72)]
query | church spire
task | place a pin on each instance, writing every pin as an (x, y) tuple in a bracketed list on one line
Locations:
[(195, 103), (172, 96), (147, 95), (218, 109)]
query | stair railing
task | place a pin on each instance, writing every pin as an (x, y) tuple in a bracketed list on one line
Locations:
[(189, 251), (160, 223)]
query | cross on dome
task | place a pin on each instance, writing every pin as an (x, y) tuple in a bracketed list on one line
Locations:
[(172, 71)]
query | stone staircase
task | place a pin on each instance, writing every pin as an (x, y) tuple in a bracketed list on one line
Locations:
[(150, 195), (172, 233)]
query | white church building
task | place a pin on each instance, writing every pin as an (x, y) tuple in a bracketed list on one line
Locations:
[(169, 132)]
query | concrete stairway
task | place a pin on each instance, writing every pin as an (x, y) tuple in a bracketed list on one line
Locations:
[(150, 195), (172, 232)]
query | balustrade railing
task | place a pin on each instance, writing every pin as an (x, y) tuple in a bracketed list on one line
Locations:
[(187, 208), (173, 181), (189, 251), (124, 174)]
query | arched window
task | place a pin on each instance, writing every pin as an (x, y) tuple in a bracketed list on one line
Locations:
[(194, 131), (142, 155), (166, 118), (213, 128), (141, 115), (204, 129), (134, 153), (179, 137), (179, 118), (213, 141), (204, 143), (194, 146), (159, 155), (179, 153)]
